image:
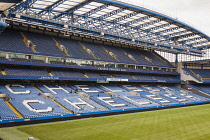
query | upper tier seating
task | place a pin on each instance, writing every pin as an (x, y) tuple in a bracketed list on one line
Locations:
[(44, 44), (98, 51), (138, 56), (119, 54), (13, 41), (74, 48), (147, 58), (156, 60)]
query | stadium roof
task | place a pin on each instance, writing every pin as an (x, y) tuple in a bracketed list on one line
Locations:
[(6, 4), (113, 21)]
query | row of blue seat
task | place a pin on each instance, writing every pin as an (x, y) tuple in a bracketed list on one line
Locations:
[(11, 40), (77, 74), (88, 98), (201, 75)]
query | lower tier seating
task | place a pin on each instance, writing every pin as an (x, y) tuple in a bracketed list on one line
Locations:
[(202, 87), (44, 100)]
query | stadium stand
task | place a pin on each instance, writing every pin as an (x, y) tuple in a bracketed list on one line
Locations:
[(202, 87), (98, 51), (137, 55), (25, 71), (43, 40), (199, 74), (5, 112), (52, 100), (202, 74), (75, 49), (9, 40), (52, 68), (78, 74), (118, 54), (67, 73)]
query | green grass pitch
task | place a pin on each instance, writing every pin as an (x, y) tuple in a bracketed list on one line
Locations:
[(187, 123)]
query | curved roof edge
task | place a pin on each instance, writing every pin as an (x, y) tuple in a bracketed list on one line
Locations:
[(111, 21), (154, 13)]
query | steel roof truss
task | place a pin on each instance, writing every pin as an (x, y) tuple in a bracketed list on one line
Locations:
[(137, 20), (49, 8), (197, 43), (177, 33), (71, 10), (22, 6), (150, 23), (112, 13), (168, 30), (193, 39), (93, 11), (125, 17), (159, 27)]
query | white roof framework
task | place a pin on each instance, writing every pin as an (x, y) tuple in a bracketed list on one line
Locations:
[(112, 20)]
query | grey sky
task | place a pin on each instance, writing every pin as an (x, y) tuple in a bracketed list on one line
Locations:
[(193, 12)]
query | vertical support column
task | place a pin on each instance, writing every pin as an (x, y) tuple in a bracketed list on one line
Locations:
[(7, 56), (72, 17), (47, 60), (176, 55), (176, 60)]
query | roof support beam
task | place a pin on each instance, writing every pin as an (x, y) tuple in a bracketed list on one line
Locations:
[(125, 17), (186, 36), (150, 23), (48, 9), (109, 14), (96, 10), (80, 5), (168, 30), (203, 47), (159, 27), (193, 39), (137, 20), (25, 5), (198, 43), (176, 34), (112, 13)]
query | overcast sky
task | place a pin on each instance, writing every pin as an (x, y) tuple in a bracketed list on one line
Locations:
[(193, 12)]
